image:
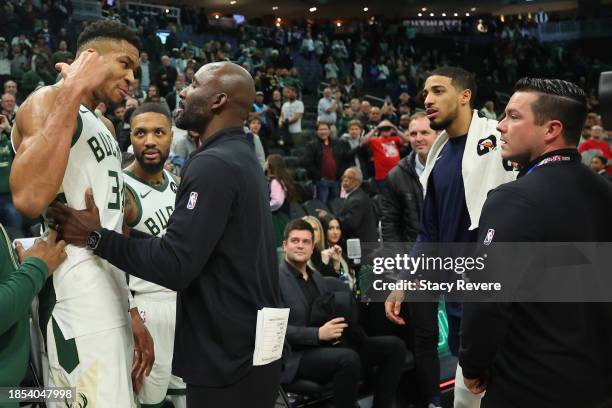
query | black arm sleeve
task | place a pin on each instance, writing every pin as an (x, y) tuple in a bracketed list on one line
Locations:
[(484, 324), (391, 220), (203, 206), (134, 233)]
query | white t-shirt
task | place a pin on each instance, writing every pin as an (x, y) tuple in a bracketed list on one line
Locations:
[(288, 109), (357, 70)]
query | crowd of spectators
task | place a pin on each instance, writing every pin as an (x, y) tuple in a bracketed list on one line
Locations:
[(352, 129), (351, 153)]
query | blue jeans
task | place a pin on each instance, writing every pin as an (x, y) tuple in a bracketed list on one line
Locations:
[(328, 190), (9, 217)]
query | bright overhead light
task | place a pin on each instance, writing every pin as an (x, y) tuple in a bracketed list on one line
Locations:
[(455, 14), (217, 16), (233, 2), (431, 14), (443, 14), (473, 9), (278, 24), (312, 9), (274, 8), (424, 9), (420, 14), (467, 14), (365, 9), (338, 24)]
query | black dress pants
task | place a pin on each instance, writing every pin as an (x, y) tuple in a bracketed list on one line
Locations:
[(259, 389), (344, 366), (424, 319)]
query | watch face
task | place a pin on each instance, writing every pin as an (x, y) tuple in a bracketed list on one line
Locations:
[(92, 240)]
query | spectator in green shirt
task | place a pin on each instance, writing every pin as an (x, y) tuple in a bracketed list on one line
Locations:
[(22, 275)]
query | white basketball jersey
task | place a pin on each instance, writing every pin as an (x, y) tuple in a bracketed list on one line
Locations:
[(155, 205), (91, 294)]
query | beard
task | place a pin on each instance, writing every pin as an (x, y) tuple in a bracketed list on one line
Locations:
[(187, 117), (151, 168), (440, 125)]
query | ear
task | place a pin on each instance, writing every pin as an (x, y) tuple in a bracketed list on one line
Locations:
[(220, 100), (466, 97), (554, 131)]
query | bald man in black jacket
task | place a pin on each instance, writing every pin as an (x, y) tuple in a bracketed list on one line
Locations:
[(218, 252)]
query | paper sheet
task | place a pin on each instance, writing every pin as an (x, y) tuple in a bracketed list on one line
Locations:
[(270, 335)]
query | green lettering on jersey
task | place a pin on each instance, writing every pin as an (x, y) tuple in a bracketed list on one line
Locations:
[(117, 190), (96, 149), (104, 145), (152, 227)]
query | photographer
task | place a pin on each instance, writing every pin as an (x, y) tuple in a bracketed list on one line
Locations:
[(18, 286), (385, 145)]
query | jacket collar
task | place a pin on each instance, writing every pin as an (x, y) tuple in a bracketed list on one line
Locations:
[(572, 156), (219, 137)]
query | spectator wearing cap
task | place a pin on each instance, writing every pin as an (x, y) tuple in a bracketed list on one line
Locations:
[(385, 145), (290, 120), (347, 116), (260, 111)]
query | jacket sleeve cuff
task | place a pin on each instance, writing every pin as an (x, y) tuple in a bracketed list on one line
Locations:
[(470, 372), (40, 269)]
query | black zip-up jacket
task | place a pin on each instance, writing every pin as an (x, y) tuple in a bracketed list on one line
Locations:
[(547, 355), (313, 158), (218, 253), (402, 204)]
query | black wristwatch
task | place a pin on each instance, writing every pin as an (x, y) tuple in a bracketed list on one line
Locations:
[(93, 240)]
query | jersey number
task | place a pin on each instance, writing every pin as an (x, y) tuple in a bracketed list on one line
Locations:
[(115, 204)]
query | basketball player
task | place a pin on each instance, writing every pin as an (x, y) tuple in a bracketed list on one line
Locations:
[(152, 193), (64, 149)]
